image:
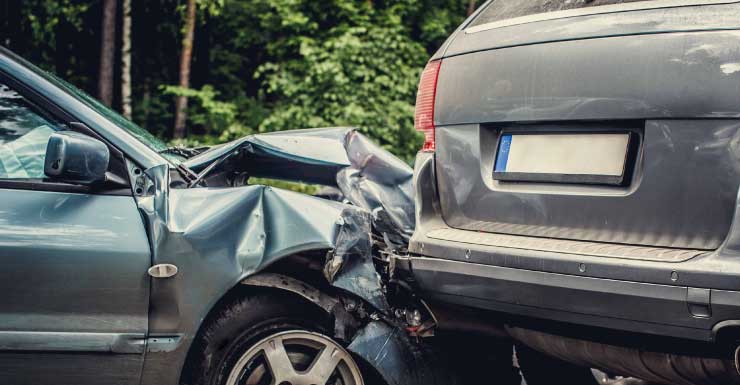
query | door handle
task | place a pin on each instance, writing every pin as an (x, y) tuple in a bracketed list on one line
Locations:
[(162, 270)]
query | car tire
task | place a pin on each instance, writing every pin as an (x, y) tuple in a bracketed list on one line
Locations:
[(249, 336)]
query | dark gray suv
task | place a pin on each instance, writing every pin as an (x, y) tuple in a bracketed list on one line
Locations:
[(579, 183)]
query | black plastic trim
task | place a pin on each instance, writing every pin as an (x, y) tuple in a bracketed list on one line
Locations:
[(635, 307), (49, 185), (633, 128), (559, 178)]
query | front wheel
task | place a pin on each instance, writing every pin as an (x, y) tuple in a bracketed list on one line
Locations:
[(271, 338), (295, 357)]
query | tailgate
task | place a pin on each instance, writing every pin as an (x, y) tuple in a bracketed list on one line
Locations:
[(612, 137)]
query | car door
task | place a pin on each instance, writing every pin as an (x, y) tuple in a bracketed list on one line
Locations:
[(73, 262)]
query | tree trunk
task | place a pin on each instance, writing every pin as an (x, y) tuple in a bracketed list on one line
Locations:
[(126, 60), (471, 7), (107, 52), (181, 103)]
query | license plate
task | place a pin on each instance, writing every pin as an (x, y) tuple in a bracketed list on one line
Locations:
[(562, 158)]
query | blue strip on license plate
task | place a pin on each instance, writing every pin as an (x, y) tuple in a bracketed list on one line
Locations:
[(562, 157), (503, 153)]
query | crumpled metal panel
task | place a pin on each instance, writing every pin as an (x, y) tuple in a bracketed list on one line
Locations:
[(219, 235), (367, 175), (397, 360), (248, 228)]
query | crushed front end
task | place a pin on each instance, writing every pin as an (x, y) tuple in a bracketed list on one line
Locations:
[(224, 232)]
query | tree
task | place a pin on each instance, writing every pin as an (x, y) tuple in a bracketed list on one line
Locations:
[(107, 52), (471, 7), (362, 71), (181, 102), (257, 65), (126, 60)]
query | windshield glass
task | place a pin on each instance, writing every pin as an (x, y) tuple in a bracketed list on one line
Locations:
[(507, 9), (132, 128), (137, 132)]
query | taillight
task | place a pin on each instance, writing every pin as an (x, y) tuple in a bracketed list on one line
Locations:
[(424, 114)]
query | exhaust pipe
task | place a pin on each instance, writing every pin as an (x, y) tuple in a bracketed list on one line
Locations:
[(653, 367)]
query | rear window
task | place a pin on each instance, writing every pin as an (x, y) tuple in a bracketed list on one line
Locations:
[(507, 9)]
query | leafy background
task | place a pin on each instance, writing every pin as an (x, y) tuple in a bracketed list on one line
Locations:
[(257, 66)]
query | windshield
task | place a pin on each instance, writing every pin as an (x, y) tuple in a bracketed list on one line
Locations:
[(136, 131), (132, 128), (507, 9)]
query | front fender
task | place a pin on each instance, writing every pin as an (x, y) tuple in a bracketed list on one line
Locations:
[(217, 237)]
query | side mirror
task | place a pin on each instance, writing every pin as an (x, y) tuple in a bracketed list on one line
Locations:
[(76, 158)]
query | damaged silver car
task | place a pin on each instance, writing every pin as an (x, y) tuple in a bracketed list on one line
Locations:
[(127, 262)]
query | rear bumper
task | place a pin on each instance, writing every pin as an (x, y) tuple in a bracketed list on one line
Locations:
[(661, 310), (686, 298)]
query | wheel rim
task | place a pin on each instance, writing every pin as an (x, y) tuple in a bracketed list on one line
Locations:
[(295, 358)]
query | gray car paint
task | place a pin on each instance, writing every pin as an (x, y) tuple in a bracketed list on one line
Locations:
[(530, 12), (223, 235), (659, 82), (369, 176), (586, 23), (229, 233), (672, 75), (216, 235), (385, 347), (698, 158), (74, 288), (667, 75)]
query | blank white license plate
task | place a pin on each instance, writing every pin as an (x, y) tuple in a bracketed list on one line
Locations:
[(565, 158)]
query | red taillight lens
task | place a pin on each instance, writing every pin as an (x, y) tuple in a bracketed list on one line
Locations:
[(424, 115)]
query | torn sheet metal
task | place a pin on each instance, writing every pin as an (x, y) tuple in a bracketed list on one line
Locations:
[(397, 359), (246, 229), (367, 175), (222, 231)]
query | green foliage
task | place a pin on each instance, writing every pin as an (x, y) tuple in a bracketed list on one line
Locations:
[(203, 7), (362, 72), (210, 7), (212, 114), (217, 118), (45, 26), (258, 65), (44, 16), (309, 189)]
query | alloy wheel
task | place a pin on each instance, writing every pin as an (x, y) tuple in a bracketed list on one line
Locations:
[(295, 358)]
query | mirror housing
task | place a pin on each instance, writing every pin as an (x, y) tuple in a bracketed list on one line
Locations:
[(73, 157)]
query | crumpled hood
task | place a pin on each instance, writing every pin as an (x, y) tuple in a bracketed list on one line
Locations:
[(244, 230), (367, 175), (220, 233)]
